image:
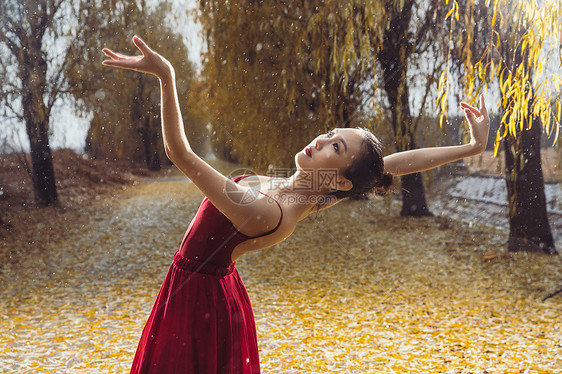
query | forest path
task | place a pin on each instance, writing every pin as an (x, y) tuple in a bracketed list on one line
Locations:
[(355, 289)]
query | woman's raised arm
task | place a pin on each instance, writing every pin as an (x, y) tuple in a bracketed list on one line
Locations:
[(253, 217), (417, 160), (175, 141)]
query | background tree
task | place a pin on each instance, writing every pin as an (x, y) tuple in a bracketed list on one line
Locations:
[(131, 131), (514, 37), (34, 38), (407, 39), (280, 72)]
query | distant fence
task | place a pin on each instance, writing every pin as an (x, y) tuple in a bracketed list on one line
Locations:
[(493, 190)]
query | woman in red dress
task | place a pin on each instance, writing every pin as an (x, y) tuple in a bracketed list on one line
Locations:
[(202, 320)]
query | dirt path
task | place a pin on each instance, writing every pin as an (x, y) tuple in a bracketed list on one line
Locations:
[(356, 289)]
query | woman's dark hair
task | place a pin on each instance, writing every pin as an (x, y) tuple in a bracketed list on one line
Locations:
[(367, 171)]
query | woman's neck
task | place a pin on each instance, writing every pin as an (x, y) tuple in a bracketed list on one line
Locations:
[(302, 193)]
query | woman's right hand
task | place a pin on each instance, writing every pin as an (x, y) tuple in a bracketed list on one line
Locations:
[(479, 123), (150, 61)]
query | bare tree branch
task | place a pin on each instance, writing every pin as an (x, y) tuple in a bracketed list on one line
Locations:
[(430, 80), (56, 84), (9, 42), (17, 113)]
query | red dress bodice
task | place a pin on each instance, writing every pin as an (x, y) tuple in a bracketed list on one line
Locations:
[(211, 237)]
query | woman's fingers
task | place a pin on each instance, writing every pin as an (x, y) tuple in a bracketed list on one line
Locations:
[(107, 63), (141, 45), (483, 109), (149, 62), (119, 56), (465, 105), (110, 53), (114, 55), (115, 63), (473, 110), (124, 62), (469, 115), (477, 113), (120, 60)]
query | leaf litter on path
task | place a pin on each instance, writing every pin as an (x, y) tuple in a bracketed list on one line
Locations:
[(356, 289)]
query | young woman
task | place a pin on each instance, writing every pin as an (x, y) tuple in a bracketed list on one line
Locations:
[(202, 320)]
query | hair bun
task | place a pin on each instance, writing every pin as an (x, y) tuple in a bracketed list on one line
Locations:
[(385, 183)]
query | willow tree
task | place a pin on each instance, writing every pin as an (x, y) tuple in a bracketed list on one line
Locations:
[(412, 27), (517, 36), (124, 108), (34, 39), (280, 72)]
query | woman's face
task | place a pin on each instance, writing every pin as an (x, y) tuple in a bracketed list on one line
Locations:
[(334, 151)]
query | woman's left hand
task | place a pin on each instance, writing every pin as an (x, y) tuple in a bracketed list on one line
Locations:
[(150, 61), (479, 124)]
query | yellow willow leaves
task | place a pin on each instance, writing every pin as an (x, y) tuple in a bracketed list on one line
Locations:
[(454, 9), (443, 89), (516, 57)]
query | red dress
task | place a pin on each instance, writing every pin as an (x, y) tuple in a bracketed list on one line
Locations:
[(202, 321)]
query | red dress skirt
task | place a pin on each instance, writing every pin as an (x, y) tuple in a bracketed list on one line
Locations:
[(202, 320)]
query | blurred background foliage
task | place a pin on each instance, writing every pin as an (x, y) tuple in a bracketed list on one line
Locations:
[(281, 72), (125, 106)]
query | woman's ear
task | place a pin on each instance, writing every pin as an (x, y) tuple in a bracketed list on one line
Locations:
[(344, 184)]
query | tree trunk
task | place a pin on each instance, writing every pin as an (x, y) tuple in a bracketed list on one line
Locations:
[(529, 229), (394, 62), (33, 73), (145, 126), (413, 196), (150, 140), (43, 175)]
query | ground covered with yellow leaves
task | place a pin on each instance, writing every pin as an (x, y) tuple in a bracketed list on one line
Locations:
[(356, 289)]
